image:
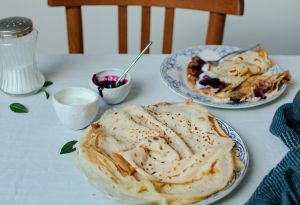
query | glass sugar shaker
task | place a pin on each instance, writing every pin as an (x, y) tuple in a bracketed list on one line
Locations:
[(19, 74)]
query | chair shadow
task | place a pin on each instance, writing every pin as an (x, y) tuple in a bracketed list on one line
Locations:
[(135, 91)]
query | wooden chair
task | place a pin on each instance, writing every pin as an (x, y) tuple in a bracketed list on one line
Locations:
[(217, 8)]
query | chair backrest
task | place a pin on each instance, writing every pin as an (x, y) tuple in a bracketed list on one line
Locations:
[(217, 8)]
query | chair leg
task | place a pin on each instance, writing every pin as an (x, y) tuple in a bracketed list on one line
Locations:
[(215, 28), (168, 30), (122, 15), (74, 27)]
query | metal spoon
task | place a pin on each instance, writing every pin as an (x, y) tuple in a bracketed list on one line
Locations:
[(216, 62), (130, 66)]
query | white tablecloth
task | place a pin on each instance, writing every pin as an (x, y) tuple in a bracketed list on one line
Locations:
[(33, 172)]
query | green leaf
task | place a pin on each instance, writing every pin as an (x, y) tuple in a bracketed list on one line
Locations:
[(18, 108), (68, 147), (47, 83), (41, 90), (47, 94)]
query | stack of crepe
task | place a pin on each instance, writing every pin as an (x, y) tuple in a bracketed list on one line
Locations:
[(168, 153)]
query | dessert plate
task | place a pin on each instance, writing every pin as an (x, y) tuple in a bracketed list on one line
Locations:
[(173, 73), (241, 153)]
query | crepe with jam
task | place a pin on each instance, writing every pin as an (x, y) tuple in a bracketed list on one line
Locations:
[(242, 78), (168, 153)]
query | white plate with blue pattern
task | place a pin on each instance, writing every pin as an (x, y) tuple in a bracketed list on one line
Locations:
[(173, 72), (242, 154)]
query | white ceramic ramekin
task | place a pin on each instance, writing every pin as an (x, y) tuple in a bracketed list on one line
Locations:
[(76, 107)]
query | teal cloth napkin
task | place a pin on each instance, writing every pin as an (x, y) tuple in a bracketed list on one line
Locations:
[(282, 184)]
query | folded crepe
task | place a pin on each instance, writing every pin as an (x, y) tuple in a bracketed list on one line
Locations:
[(256, 87), (244, 77), (236, 70), (168, 153)]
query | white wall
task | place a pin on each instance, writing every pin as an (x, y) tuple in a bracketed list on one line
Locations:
[(273, 23)]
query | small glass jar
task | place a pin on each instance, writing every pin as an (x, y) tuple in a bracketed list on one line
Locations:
[(18, 68)]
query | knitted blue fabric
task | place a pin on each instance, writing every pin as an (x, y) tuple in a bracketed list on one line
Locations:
[(282, 185)]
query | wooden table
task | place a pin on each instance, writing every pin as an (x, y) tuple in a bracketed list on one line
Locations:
[(33, 172)]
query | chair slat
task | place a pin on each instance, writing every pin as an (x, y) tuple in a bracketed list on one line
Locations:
[(74, 25), (168, 30), (122, 15), (145, 31), (215, 28)]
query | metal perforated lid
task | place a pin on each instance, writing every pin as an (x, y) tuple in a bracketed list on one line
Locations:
[(14, 27)]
